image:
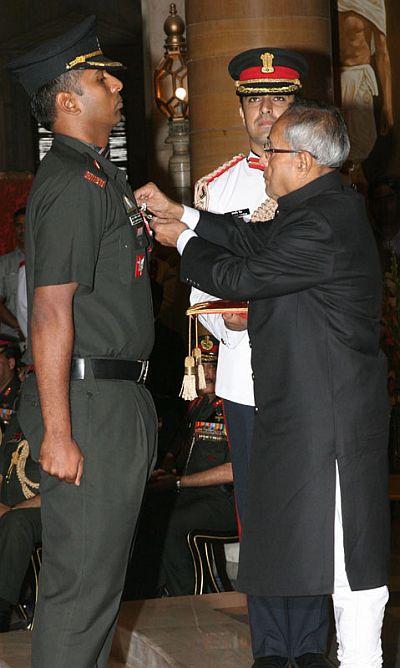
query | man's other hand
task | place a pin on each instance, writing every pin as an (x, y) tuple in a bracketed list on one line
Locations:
[(62, 459), (163, 483), (167, 233), (158, 204), (386, 122), (4, 509), (235, 322)]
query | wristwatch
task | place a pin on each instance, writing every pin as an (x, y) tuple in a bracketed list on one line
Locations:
[(178, 484)]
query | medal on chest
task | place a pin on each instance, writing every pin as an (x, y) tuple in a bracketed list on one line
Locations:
[(137, 218)]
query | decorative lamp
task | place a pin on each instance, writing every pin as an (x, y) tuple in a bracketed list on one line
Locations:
[(170, 77), (171, 95)]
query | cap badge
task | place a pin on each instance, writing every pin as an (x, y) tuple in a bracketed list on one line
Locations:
[(206, 343), (267, 59)]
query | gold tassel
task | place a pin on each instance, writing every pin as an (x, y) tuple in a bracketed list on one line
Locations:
[(201, 380), (188, 389)]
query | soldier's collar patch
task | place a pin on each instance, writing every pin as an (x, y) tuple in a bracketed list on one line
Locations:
[(94, 178), (254, 163)]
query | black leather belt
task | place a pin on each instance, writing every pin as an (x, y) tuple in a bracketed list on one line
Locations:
[(109, 369)]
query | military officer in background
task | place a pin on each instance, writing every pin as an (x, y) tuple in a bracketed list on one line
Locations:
[(9, 267), (267, 81), (9, 381), (202, 476), (87, 416), (238, 186), (20, 523), (191, 489)]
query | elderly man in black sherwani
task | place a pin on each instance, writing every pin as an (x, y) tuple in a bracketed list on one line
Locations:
[(317, 519)]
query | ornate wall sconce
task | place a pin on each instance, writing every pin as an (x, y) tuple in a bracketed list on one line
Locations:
[(171, 94)]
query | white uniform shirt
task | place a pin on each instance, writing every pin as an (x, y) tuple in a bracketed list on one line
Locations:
[(22, 301), (9, 267), (239, 187)]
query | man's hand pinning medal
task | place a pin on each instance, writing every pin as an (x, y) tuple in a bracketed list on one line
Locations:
[(164, 216)]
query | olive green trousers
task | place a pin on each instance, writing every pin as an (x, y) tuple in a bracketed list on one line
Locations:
[(88, 530)]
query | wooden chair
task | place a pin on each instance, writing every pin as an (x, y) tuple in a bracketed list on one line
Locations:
[(209, 563), (26, 608)]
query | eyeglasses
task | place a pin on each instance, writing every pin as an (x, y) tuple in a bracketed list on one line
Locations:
[(269, 150)]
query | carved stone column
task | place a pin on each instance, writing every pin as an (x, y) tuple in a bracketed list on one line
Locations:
[(216, 31)]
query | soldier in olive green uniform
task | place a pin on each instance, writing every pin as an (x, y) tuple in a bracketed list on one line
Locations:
[(85, 411)]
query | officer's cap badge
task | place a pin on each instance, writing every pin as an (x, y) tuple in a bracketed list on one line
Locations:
[(267, 59)]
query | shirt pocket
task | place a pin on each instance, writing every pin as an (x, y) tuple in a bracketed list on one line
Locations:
[(132, 254)]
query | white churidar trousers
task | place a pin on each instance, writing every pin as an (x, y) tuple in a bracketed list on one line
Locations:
[(358, 614)]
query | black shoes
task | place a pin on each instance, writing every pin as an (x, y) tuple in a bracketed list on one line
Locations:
[(313, 661), (305, 661), (5, 622), (271, 662), (5, 615)]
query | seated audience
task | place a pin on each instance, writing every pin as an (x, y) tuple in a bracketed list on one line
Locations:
[(20, 525), (22, 300), (165, 373), (192, 489), (383, 196), (9, 267), (9, 380)]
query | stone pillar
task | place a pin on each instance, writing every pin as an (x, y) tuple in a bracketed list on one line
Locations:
[(179, 162), (216, 31)]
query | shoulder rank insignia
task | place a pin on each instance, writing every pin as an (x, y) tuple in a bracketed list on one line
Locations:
[(201, 194), (94, 178)]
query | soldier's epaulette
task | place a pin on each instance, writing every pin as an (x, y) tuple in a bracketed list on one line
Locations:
[(201, 186)]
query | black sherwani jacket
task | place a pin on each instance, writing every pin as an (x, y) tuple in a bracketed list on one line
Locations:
[(313, 280)]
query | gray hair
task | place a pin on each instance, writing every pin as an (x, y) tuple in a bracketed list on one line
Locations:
[(319, 130)]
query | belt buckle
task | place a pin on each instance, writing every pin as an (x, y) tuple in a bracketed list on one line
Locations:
[(79, 363), (144, 371)]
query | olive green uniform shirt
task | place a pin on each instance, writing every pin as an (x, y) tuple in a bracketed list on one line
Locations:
[(80, 228)]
